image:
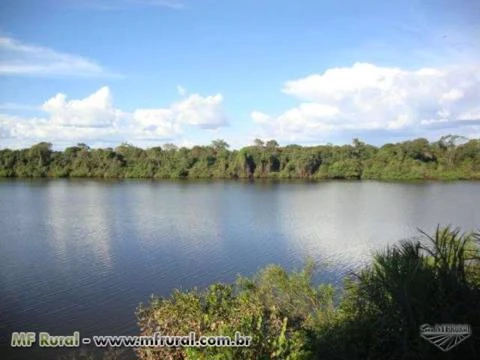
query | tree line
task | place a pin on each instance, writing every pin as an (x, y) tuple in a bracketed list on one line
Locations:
[(451, 157)]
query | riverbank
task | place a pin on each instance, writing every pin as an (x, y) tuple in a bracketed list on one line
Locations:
[(449, 158), (378, 314)]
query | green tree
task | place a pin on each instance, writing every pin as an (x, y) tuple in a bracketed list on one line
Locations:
[(220, 145), (452, 157)]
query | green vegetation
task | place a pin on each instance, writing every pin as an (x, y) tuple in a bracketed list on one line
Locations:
[(452, 157), (377, 315)]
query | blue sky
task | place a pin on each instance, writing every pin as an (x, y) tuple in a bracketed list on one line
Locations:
[(190, 71)]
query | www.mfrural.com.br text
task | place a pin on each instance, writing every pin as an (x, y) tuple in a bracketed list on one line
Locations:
[(46, 340)]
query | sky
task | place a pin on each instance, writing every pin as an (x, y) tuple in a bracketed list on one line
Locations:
[(150, 72)]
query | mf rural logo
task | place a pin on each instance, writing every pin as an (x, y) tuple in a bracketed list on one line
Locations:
[(445, 336)]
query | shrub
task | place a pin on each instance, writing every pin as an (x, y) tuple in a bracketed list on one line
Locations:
[(428, 280)]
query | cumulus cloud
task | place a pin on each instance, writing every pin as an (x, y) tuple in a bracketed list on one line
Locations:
[(95, 118), (195, 110), (92, 118), (151, 123), (260, 117), (366, 97), (96, 110), (18, 58), (17, 131), (204, 112)]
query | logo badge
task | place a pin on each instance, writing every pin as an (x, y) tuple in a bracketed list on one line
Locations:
[(445, 336)]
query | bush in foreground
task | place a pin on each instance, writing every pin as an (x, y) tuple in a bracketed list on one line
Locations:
[(433, 279)]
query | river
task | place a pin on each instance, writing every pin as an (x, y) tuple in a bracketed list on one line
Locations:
[(82, 254)]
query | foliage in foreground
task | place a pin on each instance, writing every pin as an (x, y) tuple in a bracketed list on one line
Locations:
[(452, 157), (433, 279)]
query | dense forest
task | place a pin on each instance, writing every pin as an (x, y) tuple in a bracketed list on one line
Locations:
[(451, 157)]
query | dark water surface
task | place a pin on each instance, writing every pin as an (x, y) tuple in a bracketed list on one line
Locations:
[(82, 254)]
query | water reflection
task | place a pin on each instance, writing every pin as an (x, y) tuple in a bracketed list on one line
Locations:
[(81, 254), (70, 218)]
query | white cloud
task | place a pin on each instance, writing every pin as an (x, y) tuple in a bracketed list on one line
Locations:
[(260, 118), (92, 118), (95, 119), (16, 131), (96, 110), (366, 97), (17, 58), (204, 112), (155, 123), (195, 110)]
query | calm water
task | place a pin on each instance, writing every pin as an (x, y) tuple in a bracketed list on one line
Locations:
[(82, 254)]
